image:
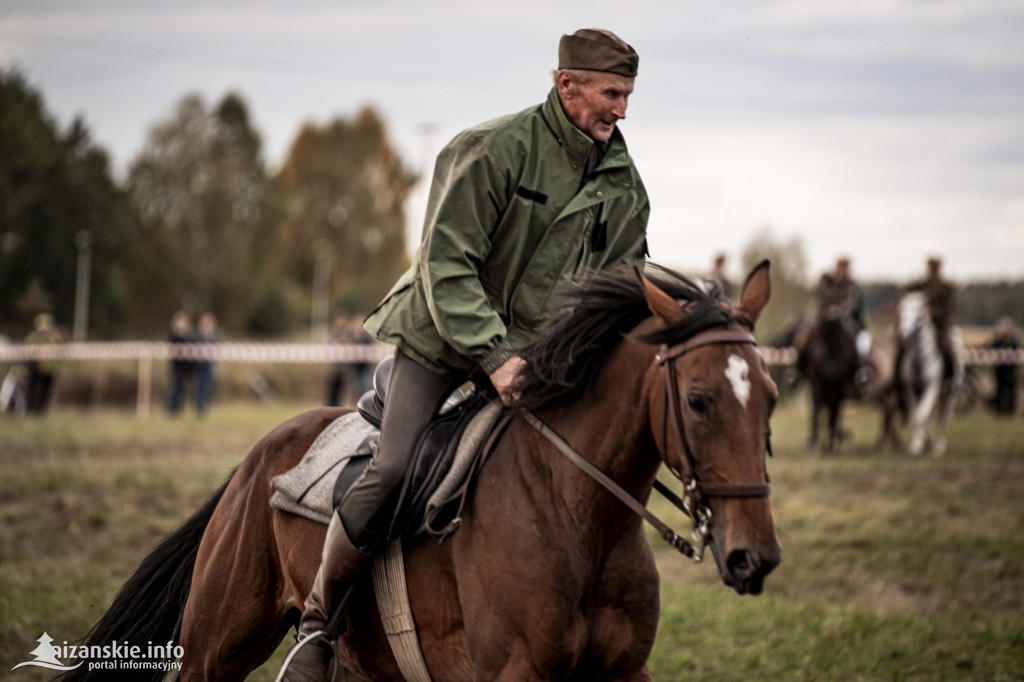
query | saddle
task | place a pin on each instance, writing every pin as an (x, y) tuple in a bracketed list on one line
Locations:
[(420, 508), (439, 480)]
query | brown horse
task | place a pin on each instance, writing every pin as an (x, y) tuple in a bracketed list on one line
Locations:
[(549, 576)]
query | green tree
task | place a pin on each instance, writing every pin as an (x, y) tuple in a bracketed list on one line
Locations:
[(54, 184), (344, 189), (790, 294), (201, 193)]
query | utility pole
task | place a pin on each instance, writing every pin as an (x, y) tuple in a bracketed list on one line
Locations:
[(83, 241), (321, 290)]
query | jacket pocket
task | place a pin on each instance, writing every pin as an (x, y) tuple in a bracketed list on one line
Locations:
[(532, 195)]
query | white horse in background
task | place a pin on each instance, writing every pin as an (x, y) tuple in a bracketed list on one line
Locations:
[(920, 373)]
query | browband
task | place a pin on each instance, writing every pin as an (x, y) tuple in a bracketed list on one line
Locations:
[(706, 338)]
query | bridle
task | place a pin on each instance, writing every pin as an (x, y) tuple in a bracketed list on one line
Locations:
[(695, 491)]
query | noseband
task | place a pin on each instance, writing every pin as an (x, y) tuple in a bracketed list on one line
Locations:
[(695, 490)]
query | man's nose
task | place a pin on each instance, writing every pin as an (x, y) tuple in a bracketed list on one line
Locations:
[(619, 108)]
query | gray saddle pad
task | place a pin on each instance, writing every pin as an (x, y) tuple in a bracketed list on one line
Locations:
[(307, 489)]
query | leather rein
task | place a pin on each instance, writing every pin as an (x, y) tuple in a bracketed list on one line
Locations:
[(692, 503)]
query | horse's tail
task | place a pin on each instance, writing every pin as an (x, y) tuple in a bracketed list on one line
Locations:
[(149, 606)]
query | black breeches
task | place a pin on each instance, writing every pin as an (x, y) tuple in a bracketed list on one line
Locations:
[(415, 394)]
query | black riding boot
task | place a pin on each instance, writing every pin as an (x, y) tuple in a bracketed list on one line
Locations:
[(341, 560)]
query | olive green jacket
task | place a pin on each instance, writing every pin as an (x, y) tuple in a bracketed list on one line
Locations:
[(509, 219)]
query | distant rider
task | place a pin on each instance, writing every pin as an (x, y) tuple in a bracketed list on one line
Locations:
[(941, 298), (839, 297)]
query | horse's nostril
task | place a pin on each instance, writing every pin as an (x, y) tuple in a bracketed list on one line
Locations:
[(741, 564)]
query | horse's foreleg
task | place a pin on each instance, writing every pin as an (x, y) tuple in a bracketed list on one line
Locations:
[(834, 437), (920, 416), (946, 415), (812, 444), (884, 429)]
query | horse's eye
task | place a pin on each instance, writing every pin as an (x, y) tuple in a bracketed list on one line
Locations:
[(697, 404)]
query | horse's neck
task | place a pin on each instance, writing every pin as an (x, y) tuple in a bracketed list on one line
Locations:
[(924, 337), (833, 333), (922, 358), (609, 427)]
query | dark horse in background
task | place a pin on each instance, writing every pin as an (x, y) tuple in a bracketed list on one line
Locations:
[(829, 362), (549, 576)]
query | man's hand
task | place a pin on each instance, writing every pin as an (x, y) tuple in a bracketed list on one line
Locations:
[(504, 377)]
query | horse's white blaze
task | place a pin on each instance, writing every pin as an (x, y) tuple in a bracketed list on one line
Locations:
[(738, 374)]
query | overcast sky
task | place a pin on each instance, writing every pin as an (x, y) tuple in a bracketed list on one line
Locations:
[(886, 130)]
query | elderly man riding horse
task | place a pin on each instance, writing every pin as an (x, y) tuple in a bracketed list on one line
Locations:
[(518, 206)]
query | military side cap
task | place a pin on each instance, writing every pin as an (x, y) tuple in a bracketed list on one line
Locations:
[(594, 49)]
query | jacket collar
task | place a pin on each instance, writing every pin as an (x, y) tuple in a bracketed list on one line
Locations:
[(576, 143)]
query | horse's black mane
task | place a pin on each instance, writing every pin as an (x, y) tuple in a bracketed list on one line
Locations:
[(563, 360)]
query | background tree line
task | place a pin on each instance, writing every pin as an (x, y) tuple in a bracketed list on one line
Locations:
[(201, 223)]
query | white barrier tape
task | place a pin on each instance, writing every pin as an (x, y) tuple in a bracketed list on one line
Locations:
[(994, 356), (778, 356), (972, 356), (249, 353), (328, 353)]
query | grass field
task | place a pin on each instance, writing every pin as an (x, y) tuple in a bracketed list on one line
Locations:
[(894, 569)]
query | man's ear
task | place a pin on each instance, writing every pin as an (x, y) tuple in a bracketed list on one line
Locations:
[(564, 82)]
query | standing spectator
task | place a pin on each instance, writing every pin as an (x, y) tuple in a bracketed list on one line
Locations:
[(41, 372), (336, 378), (719, 277), (206, 333), (1006, 374), (181, 368), (348, 380), (360, 369)]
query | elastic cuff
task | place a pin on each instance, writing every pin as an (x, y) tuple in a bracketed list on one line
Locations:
[(496, 357)]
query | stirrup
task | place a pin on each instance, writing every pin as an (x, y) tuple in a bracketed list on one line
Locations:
[(299, 643)]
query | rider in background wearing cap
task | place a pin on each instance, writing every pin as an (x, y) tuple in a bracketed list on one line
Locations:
[(941, 298), (518, 206), (840, 298)]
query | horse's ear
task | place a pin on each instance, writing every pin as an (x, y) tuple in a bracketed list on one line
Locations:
[(756, 292), (661, 304)]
